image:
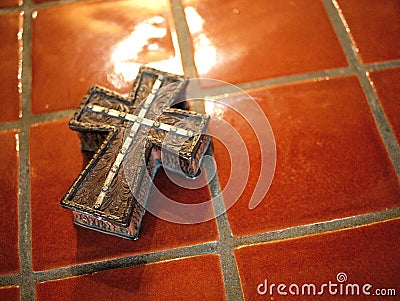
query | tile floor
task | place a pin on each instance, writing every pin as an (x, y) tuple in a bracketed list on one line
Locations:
[(325, 73)]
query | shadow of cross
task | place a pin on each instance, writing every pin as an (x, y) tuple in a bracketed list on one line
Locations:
[(131, 136)]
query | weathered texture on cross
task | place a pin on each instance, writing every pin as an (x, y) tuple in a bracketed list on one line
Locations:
[(131, 136)]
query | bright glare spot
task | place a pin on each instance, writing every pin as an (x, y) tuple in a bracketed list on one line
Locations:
[(125, 58), (157, 20), (212, 108), (194, 21), (206, 54), (19, 34), (17, 142), (173, 64), (153, 47)]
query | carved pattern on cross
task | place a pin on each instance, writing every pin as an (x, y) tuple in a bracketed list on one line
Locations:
[(132, 135)]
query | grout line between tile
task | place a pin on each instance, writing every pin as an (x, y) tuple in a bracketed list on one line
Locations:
[(53, 116), (298, 78), (339, 25), (27, 289), (384, 128), (228, 264), (184, 39), (124, 262), (10, 125), (25, 253), (382, 65), (186, 48), (211, 247), (230, 89), (34, 119), (47, 117), (318, 228), (6, 10), (225, 247), (10, 280)]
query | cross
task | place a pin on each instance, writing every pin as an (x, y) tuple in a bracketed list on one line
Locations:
[(131, 136)]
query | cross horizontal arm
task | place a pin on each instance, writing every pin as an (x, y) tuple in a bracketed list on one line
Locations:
[(142, 120)]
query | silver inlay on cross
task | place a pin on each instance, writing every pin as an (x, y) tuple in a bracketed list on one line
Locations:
[(137, 121)]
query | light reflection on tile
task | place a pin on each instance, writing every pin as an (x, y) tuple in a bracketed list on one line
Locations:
[(240, 41), (97, 42), (9, 166), (10, 66)]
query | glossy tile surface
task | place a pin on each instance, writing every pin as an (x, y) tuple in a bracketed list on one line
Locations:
[(42, 1), (193, 278), (9, 157), (331, 162), (96, 42), (366, 255), (375, 28), (10, 293), (56, 160), (241, 41), (10, 3), (332, 169), (10, 25), (387, 86)]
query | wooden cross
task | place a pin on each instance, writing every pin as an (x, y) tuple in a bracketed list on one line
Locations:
[(129, 136)]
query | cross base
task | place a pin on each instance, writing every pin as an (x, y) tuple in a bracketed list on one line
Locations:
[(131, 232), (92, 222)]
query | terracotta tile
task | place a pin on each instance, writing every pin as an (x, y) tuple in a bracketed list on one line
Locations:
[(9, 293), (366, 255), (102, 42), (195, 278), (387, 86), (331, 162), (10, 24), (241, 41), (56, 160), (10, 3), (9, 164), (42, 1), (375, 28)]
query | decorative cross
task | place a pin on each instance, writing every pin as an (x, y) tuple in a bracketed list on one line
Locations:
[(131, 136)]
